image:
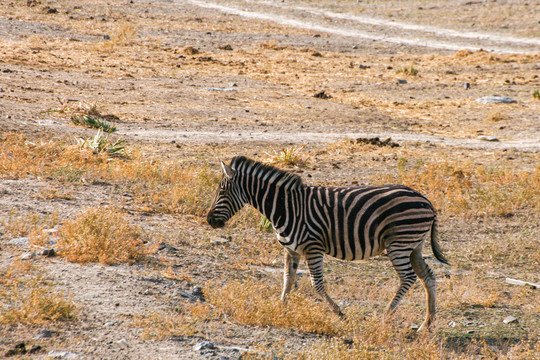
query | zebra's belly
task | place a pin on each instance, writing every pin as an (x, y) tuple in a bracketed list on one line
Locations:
[(354, 250)]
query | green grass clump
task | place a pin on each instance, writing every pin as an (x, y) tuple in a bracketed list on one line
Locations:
[(408, 71), (93, 122)]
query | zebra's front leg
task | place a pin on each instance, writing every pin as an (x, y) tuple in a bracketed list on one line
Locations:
[(289, 272), (315, 266)]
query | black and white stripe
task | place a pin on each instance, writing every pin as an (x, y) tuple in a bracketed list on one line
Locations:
[(349, 223)]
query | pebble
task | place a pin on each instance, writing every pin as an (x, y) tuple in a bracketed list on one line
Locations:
[(487, 138), (466, 85), (106, 37), (195, 295), (510, 320), (122, 343), (402, 81), (55, 354), (22, 241), (48, 252), (219, 89), (219, 240), (204, 345), (28, 255), (495, 99), (45, 334)]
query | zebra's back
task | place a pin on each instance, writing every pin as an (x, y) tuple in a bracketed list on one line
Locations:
[(354, 223)]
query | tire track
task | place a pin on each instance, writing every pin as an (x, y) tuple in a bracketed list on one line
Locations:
[(352, 26)]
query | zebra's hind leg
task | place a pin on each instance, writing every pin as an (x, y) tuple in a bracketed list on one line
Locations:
[(427, 277), (401, 261), (315, 266), (289, 272)]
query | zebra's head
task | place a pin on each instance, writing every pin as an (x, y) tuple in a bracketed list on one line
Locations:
[(228, 199)]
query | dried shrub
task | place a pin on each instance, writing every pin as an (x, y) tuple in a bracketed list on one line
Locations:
[(473, 189), (157, 185), (290, 156), (30, 300), (161, 325), (100, 234), (257, 304)]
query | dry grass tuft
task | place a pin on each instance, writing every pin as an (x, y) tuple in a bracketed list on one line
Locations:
[(257, 303), (27, 225), (30, 300), (161, 326), (293, 156), (466, 188), (100, 234), (156, 185)]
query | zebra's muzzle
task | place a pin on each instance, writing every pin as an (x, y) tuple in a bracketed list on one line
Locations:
[(214, 223)]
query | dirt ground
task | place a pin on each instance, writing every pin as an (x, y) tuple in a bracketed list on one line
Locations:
[(197, 82)]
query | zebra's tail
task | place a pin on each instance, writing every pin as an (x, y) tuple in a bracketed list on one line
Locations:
[(434, 244)]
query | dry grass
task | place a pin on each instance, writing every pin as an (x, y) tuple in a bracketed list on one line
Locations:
[(257, 303), (26, 298), (466, 188), (293, 156), (28, 225), (100, 234), (157, 185), (160, 326)]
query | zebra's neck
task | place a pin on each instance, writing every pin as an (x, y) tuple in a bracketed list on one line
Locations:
[(274, 192)]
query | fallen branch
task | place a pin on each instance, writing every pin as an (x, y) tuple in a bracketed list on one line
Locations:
[(522, 283)]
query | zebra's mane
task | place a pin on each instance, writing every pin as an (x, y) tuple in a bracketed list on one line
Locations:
[(240, 163)]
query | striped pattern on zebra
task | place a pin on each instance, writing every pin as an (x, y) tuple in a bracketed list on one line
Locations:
[(349, 223)]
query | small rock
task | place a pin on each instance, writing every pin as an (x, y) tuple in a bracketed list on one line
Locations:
[(164, 246), (204, 345), (487, 138), (48, 252), (45, 334), (18, 349), (50, 10), (322, 95), (34, 349), (109, 323), (106, 37), (233, 85), (189, 50), (226, 47), (466, 85), (55, 354), (452, 324), (495, 99), (219, 241), (122, 343), (195, 295), (402, 81), (510, 320), (22, 241), (28, 255)]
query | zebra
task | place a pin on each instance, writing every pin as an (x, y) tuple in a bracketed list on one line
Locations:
[(348, 223)]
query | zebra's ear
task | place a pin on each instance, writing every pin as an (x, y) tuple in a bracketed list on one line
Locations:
[(227, 171)]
